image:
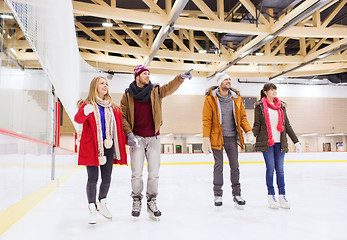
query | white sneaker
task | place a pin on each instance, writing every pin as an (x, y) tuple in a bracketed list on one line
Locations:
[(218, 201), (284, 202), (272, 202), (102, 209), (92, 213)]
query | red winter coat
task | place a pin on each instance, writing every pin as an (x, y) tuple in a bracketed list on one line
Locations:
[(88, 152)]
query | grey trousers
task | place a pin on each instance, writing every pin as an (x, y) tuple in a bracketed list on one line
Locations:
[(149, 147), (230, 146)]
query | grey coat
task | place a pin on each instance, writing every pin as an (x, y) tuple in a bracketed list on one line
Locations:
[(260, 130)]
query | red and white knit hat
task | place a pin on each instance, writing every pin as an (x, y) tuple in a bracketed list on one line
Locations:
[(139, 69)]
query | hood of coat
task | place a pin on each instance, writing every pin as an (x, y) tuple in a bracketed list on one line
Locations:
[(213, 91)]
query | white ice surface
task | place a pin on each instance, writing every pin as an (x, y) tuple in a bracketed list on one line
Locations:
[(317, 192)]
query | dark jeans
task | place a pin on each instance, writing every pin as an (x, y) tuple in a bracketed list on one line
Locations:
[(230, 146), (93, 175), (274, 160)]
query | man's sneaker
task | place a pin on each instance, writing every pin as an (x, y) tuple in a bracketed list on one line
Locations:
[(152, 208), (284, 203), (239, 200), (102, 208), (136, 206), (272, 202), (218, 201)]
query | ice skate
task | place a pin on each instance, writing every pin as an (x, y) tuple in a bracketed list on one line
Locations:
[(272, 202), (152, 209), (102, 209), (283, 202), (218, 201), (92, 213), (136, 207), (239, 202)]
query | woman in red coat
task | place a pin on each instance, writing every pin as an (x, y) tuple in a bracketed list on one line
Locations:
[(102, 143)]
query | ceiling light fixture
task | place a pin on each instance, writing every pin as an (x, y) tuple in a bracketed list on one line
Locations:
[(147, 26), (202, 51), (309, 134), (107, 24), (6, 16), (335, 134)]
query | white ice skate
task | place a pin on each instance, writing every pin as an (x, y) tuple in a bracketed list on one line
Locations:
[(283, 202), (152, 209), (218, 201), (239, 202), (272, 202), (102, 209), (92, 213)]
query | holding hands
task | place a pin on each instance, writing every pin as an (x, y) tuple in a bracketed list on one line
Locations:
[(187, 74), (88, 109)]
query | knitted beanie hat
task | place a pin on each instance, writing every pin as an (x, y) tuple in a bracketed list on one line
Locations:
[(220, 77), (139, 69)]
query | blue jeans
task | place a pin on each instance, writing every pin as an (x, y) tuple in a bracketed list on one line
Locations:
[(274, 160)]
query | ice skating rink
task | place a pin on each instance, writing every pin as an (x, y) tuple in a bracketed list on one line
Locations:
[(317, 192)]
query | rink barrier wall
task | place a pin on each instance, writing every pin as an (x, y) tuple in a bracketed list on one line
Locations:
[(26, 174), (11, 215)]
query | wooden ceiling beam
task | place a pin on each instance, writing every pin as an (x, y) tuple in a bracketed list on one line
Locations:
[(252, 10), (331, 16), (154, 7), (206, 10)]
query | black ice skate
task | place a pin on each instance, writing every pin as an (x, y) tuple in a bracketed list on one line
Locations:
[(239, 200), (152, 208), (136, 207)]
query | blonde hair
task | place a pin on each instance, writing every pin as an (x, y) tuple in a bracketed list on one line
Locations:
[(93, 92)]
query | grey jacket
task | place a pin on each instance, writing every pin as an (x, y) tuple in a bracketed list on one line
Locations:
[(260, 130)]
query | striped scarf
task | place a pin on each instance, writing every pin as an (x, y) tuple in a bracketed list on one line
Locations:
[(110, 130)]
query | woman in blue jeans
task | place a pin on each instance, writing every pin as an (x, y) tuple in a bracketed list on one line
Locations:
[(271, 126)]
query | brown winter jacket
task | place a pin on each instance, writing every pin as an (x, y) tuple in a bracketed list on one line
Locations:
[(211, 124), (157, 94), (260, 129)]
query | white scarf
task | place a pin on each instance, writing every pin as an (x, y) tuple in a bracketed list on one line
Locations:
[(110, 130)]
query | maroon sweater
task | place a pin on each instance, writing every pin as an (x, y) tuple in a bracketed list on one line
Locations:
[(143, 119)]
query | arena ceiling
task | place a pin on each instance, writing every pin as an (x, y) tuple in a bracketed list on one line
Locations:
[(246, 38)]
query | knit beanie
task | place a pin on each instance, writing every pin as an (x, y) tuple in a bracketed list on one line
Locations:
[(220, 77), (139, 69)]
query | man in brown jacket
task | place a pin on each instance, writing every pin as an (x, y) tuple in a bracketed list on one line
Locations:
[(224, 118), (142, 118)]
